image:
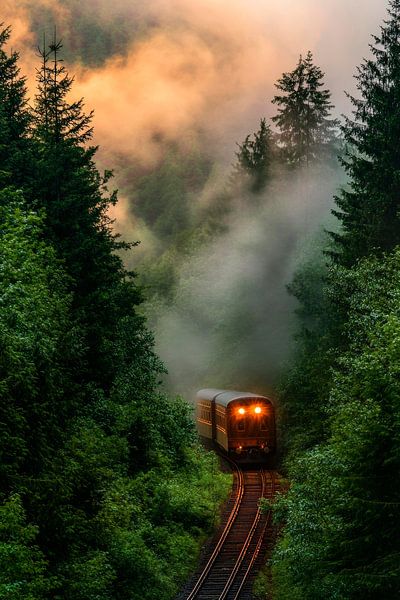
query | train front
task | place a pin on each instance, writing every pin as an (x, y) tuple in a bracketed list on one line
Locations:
[(251, 427)]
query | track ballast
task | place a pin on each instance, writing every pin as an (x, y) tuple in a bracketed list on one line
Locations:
[(228, 569)]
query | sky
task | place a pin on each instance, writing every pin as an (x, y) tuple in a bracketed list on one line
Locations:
[(191, 65)]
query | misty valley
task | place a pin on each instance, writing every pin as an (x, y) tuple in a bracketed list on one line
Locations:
[(199, 300)]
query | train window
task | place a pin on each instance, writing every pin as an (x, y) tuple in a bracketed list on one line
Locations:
[(205, 414), (264, 423), (221, 421), (241, 425)]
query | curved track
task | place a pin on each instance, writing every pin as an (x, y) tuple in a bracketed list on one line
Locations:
[(228, 570)]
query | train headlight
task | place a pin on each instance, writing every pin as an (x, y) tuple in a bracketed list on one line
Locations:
[(257, 410), (241, 411)]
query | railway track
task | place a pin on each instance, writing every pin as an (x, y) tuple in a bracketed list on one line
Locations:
[(228, 570)]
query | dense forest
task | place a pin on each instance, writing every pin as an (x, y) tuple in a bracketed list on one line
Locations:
[(340, 399), (105, 492)]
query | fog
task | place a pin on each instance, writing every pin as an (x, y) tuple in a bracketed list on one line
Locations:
[(204, 67), (233, 321), (187, 70)]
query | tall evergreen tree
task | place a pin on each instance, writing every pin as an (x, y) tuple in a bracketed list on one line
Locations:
[(306, 131), (254, 158), (14, 117), (97, 468), (74, 195), (370, 209)]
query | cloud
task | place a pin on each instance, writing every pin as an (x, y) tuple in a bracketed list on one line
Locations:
[(210, 66), (204, 66)]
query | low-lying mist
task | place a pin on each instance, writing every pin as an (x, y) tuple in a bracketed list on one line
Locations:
[(183, 73), (232, 322)]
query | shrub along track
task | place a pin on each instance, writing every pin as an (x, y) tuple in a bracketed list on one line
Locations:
[(228, 569)]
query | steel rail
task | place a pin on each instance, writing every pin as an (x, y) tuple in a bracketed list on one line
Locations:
[(227, 528), (245, 546), (259, 543)]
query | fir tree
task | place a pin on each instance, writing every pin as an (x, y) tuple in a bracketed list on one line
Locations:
[(254, 158), (14, 117), (369, 209), (306, 131), (87, 442), (74, 195)]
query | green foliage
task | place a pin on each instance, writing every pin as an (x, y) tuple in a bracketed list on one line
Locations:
[(254, 159), (342, 525), (151, 523), (93, 31), (166, 202), (91, 453), (37, 340), (304, 387), (147, 528), (306, 133), (165, 196), (90, 577), (369, 207), (22, 565), (341, 399)]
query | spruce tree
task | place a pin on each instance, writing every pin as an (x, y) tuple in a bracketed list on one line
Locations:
[(370, 209), (14, 117), (306, 131), (254, 159), (74, 195)]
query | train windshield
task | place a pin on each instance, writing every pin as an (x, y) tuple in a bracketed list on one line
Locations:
[(241, 425)]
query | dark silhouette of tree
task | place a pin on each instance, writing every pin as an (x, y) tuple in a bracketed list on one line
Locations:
[(74, 195), (254, 159), (14, 117), (306, 131), (370, 208)]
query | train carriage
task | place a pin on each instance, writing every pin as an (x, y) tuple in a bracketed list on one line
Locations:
[(241, 423)]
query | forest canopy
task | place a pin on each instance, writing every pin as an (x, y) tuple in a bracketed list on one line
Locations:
[(103, 484), (340, 399), (105, 492)]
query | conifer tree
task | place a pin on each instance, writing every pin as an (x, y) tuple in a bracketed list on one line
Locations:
[(306, 131), (370, 209), (74, 195), (14, 117), (87, 441), (255, 157)]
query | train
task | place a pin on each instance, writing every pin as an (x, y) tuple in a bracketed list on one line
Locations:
[(241, 424)]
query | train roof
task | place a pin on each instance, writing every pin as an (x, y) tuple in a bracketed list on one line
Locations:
[(225, 397)]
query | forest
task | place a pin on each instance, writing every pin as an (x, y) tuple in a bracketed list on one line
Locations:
[(103, 483), (292, 242)]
